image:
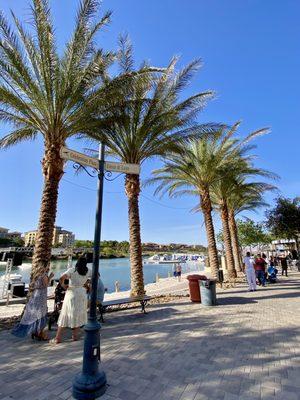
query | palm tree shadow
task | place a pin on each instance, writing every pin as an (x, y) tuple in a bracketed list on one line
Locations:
[(236, 300)]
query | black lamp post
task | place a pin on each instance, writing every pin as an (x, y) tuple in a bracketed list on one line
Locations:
[(91, 382)]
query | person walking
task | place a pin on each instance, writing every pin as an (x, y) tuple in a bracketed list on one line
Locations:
[(74, 310), (178, 272), (284, 266), (175, 270), (34, 318), (250, 272), (260, 270)]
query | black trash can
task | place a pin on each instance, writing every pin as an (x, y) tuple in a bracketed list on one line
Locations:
[(208, 292)]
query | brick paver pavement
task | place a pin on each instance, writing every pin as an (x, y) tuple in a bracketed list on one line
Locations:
[(245, 348)]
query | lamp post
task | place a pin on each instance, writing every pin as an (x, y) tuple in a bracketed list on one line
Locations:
[(91, 382)]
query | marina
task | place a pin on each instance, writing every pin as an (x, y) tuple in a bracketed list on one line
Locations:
[(111, 271), (176, 258)]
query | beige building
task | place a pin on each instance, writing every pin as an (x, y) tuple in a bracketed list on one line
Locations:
[(66, 239), (29, 238), (61, 237)]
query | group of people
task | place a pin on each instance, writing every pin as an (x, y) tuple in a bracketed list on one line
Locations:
[(259, 269), (73, 314)]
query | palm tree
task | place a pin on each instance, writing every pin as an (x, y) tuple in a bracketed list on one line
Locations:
[(244, 196), (149, 122), (194, 171), (43, 93), (231, 178)]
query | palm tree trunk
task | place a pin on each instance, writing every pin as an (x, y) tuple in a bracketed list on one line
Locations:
[(297, 245), (210, 233), (132, 188), (53, 171), (227, 242), (234, 241)]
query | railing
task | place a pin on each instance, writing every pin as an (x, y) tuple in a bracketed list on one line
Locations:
[(16, 249)]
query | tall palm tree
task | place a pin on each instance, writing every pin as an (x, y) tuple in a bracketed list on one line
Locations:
[(150, 121), (43, 93), (230, 180), (194, 171)]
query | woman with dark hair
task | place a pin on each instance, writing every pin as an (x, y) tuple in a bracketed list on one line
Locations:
[(74, 310)]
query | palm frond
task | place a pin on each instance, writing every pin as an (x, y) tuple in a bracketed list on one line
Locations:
[(125, 55), (16, 136)]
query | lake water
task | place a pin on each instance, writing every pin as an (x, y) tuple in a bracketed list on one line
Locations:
[(117, 269)]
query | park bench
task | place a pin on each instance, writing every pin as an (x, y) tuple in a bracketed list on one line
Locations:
[(102, 307)]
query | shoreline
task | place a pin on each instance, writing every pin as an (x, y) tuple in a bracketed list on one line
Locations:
[(165, 286)]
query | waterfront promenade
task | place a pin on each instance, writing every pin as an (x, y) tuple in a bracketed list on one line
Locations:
[(248, 347)]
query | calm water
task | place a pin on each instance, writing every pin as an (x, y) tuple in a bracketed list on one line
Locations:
[(117, 269)]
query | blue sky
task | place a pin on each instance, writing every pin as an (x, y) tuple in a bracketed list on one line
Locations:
[(251, 55)]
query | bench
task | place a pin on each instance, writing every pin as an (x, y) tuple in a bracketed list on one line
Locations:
[(102, 307)]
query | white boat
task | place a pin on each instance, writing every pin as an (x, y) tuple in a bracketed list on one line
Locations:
[(165, 259), (14, 278)]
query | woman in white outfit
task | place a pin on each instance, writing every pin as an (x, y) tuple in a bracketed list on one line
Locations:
[(250, 272), (74, 310)]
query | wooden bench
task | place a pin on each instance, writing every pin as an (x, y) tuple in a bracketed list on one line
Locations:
[(126, 300)]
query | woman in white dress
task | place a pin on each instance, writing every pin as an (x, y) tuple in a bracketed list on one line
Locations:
[(74, 310)]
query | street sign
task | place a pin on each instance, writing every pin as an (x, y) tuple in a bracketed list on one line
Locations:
[(68, 154), (80, 158), (122, 167)]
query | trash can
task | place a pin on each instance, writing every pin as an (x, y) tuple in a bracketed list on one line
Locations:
[(194, 287), (208, 292)]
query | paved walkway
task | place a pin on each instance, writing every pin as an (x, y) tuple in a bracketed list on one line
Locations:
[(246, 348)]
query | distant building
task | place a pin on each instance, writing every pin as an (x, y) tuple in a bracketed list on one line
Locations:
[(150, 246), (158, 247), (29, 238), (66, 239), (61, 237), (5, 234)]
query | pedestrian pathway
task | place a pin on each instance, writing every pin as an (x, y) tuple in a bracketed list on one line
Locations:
[(248, 347)]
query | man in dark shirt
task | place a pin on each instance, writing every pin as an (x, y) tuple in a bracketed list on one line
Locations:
[(260, 269), (284, 266)]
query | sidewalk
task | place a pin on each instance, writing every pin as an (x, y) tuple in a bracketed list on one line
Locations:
[(246, 348)]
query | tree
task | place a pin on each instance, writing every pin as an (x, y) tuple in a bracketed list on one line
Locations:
[(43, 93), (232, 183), (150, 121), (84, 243), (194, 171), (244, 196), (284, 219), (252, 233)]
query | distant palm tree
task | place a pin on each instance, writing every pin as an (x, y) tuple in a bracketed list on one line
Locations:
[(232, 177), (43, 93), (152, 120), (244, 196), (194, 171)]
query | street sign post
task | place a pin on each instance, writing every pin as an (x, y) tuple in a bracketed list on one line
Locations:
[(80, 158), (91, 382), (122, 167)]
